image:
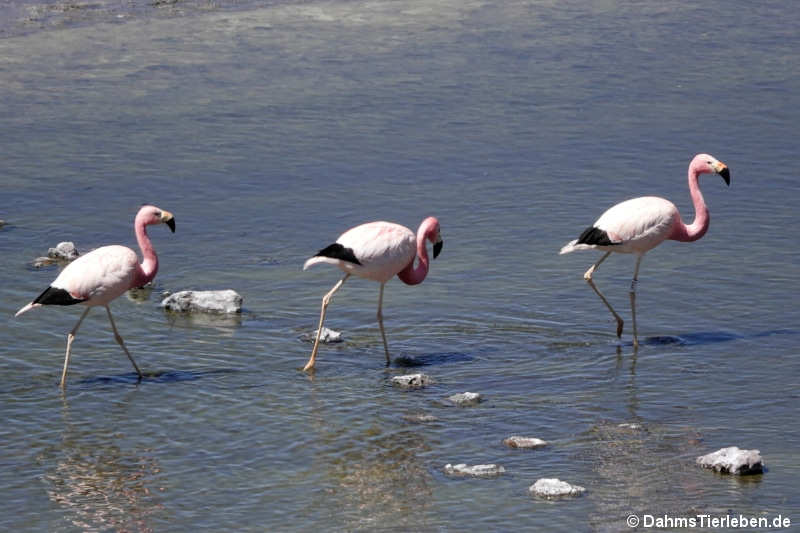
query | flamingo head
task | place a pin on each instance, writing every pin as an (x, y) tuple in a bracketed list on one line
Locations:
[(150, 214), (707, 164), (433, 233)]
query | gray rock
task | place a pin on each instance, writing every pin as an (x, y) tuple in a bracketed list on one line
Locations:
[(554, 488), (327, 336), (64, 251), (412, 381), (732, 460), (462, 469), (524, 442), (227, 301), (630, 425), (466, 399)]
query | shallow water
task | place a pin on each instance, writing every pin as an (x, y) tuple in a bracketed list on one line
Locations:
[(268, 129)]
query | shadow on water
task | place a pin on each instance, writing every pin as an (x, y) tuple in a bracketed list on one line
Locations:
[(439, 358), (710, 337), (169, 376)]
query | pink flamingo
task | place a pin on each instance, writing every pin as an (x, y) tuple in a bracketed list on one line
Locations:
[(103, 274), (640, 224), (378, 251)]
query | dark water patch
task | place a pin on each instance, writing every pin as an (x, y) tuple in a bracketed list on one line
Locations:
[(439, 358), (709, 337), (167, 376)]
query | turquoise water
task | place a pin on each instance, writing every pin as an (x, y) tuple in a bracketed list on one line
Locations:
[(270, 129)]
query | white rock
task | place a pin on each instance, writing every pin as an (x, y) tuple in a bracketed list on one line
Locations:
[(327, 336), (412, 381), (462, 469), (466, 399), (227, 301), (732, 460), (63, 250), (554, 488), (524, 442)]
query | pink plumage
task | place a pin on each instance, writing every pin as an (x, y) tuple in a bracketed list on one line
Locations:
[(100, 276), (378, 251), (638, 225)]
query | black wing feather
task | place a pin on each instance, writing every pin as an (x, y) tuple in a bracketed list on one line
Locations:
[(54, 296), (593, 235), (337, 251)]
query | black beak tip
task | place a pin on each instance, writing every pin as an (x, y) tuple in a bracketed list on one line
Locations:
[(437, 249), (726, 175), (171, 224)]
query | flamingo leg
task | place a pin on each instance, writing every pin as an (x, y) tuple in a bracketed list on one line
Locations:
[(70, 338), (588, 277), (326, 300), (634, 282), (118, 338), (380, 323)]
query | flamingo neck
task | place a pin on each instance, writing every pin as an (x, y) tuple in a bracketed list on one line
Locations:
[(149, 267), (414, 275), (702, 219)]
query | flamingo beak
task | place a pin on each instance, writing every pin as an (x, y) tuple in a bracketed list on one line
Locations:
[(168, 219), (722, 169), (437, 248)]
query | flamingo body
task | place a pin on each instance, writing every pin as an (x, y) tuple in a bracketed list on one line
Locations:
[(634, 226), (375, 250), (100, 276), (378, 251), (638, 225)]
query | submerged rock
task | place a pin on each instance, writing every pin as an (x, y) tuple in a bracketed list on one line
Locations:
[(524, 442), (327, 336), (462, 469), (420, 418), (554, 488), (631, 425), (466, 399), (227, 301), (412, 381), (732, 460)]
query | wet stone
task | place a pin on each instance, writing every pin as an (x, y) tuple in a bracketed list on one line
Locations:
[(461, 469), (466, 399), (412, 381), (554, 488), (65, 251), (733, 460), (226, 301), (524, 442)]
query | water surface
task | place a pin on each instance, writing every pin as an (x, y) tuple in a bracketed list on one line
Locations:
[(270, 128)]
